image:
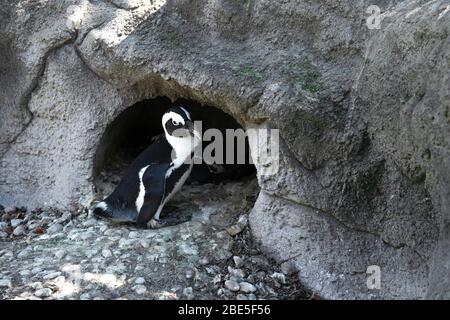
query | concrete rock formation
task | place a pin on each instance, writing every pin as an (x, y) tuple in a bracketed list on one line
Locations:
[(364, 118)]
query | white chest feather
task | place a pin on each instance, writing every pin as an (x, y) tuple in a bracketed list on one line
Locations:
[(182, 150), (141, 195)]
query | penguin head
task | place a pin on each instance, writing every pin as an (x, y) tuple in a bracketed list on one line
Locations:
[(179, 127)]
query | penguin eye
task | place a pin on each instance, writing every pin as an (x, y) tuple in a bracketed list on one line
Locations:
[(175, 123)]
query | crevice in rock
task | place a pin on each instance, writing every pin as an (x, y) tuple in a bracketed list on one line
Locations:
[(86, 64), (80, 39), (26, 97)]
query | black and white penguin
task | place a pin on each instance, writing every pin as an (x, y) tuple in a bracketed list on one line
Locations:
[(155, 175)]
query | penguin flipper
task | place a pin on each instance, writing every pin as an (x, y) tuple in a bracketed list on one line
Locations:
[(154, 181)]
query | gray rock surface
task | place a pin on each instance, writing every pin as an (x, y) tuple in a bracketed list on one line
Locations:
[(364, 118)]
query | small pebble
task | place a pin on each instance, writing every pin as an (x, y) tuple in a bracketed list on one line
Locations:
[(60, 254), (279, 277), (43, 293), (52, 275), (139, 280), (188, 292), (235, 229), (25, 273), (247, 287), (54, 228), (243, 220), (85, 296), (89, 223), (16, 222), (19, 230), (133, 234), (5, 283), (237, 273), (106, 253), (36, 285), (232, 285), (238, 261), (24, 253), (189, 274), (140, 289)]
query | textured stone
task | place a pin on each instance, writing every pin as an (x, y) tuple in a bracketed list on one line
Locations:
[(140, 289), (19, 230), (247, 287), (5, 283), (43, 293), (238, 261), (139, 280), (54, 228), (16, 222), (232, 285)]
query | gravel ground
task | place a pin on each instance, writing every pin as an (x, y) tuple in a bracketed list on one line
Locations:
[(204, 252)]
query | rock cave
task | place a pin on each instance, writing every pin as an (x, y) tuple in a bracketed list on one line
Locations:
[(135, 128)]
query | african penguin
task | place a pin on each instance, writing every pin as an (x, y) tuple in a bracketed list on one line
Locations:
[(155, 175)]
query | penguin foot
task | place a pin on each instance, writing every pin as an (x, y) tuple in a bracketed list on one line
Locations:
[(155, 224)]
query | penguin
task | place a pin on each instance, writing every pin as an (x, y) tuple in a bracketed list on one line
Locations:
[(155, 175)]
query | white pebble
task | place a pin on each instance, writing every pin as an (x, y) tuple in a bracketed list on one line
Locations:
[(237, 273), (5, 283), (16, 222), (25, 273), (188, 292), (232, 285), (243, 220), (43, 293), (238, 261), (133, 234), (279, 277), (52, 275), (90, 223), (85, 296), (24, 253), (247, 287), (54, 228), (139, 280), (140, 289), (60, 254), (106, 253), (189, 274), (36, 285), (19, 230)]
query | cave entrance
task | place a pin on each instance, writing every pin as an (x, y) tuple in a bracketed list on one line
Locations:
[(133, 130)]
